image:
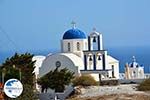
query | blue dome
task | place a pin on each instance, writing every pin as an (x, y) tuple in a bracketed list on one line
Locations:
[(74, 34)]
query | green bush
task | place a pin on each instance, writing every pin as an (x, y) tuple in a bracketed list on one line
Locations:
[(84, 80), (145, 85), (56, 80)]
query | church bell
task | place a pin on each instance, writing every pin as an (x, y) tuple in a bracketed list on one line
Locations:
[(94, 39)]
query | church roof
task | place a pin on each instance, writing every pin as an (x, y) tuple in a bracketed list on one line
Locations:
[(74, 33), (67, 60), (74, 58), (112, 59)]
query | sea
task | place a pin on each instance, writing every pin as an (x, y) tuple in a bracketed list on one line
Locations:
[(123, 54)]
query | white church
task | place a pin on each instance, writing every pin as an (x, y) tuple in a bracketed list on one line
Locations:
[(134, 70), (80, 54)]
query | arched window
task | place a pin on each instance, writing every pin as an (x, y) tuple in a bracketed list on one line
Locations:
[(78, 46), (68, 46), (134, 74)]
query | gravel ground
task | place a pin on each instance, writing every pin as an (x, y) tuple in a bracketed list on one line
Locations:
[(120, 92), (116, 97), (107, 90)]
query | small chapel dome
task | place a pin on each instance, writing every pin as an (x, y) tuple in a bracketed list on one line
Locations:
[(134, 64), (74, 34)]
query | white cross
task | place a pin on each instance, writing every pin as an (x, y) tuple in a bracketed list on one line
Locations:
[(73, 24), (94, 29)]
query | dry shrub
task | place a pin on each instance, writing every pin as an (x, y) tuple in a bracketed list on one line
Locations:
[(145, 85), (84, 80)]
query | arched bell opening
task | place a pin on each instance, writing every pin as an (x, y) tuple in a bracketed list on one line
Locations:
[(90, 61), (95, 42)]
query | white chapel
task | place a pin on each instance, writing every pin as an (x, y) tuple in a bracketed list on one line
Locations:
[(134, 70), (82, 54)]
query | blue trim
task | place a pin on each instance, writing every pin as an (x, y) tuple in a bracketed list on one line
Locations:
[(89, 43), (94, 62), (98, 42), (103, 64), (85, 62)]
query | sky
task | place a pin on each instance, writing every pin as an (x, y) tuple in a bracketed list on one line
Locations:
[(38, 25)]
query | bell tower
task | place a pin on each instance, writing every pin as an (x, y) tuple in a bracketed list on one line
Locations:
[(95, 58), (95, 41)]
